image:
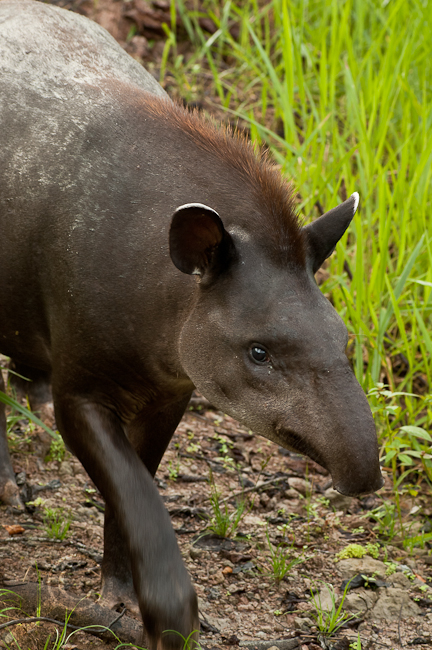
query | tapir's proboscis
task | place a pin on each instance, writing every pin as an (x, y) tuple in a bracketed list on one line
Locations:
[(144, 252)]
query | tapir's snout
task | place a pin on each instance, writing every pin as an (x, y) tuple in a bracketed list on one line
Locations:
[(360, 483), (350, 447), (335, 428)]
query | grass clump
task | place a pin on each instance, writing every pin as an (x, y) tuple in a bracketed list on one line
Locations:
[(57, 523), (330, 619), (282, 558), (223, 522)]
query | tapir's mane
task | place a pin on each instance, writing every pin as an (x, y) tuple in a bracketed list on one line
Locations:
[(274, 197)]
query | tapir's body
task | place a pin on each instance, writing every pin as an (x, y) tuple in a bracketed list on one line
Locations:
[(95, 160)]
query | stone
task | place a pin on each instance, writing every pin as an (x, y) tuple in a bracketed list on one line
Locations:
[(360, 601), (300, 484), (291, 493), (279, 644), (366, 565), (303, 623), (324, 600), (338, 501), (66, 469), (394, 603), (399, 580), (195, 553), (218, 578)]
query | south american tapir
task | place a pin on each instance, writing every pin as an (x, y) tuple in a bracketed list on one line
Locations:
[(145, 252)]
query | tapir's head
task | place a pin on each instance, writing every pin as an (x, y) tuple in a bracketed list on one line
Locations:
[(264, 345)]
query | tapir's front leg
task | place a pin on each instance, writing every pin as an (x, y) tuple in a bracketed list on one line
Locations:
[(165, 594), (149, 433)]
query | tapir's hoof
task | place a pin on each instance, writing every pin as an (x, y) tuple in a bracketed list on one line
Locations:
[(176, 627), (171, 641), (9, 495), (117, 595)]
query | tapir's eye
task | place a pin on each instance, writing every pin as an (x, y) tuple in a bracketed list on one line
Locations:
[(258, 354)]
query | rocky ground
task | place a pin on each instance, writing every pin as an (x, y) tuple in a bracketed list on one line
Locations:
[(290, 512)]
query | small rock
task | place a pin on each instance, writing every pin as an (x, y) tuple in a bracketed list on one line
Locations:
[(302, 623), (324, 599), (399, 580), (337, 500), (195, 553), (66, 469), (411, 563), (367, 565), (291, 494), (299, 484), (219, 578), (360, 601), (394, 603), (405, 568)]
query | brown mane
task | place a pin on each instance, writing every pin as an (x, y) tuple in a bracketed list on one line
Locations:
[(276, 217)]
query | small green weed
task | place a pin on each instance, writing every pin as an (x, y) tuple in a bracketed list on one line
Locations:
[(422, 540), (356, 645), (359, 551), (173, 469), (56, 451), (385, 516), (222, 522), (23, 411), (329, 621), (391, 568), (282, 558), (57, 523)]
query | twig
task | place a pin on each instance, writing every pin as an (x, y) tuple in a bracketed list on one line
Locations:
[(90, 630), (34, 619), (251, 489)]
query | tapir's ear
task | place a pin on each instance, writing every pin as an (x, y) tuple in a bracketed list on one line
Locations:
[(324, 233), (198, 241)]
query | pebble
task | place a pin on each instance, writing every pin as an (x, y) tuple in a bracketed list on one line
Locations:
[(299, 484)]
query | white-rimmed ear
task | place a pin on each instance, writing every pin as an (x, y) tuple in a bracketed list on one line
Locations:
[(324, 233), (198, 241)]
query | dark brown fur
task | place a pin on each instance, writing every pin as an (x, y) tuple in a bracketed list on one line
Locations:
[(277, 220)]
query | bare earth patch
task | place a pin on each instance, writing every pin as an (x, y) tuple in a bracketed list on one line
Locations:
[(241, 602)]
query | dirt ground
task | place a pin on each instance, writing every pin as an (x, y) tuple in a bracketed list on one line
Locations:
[(289, 503), (241, 602)]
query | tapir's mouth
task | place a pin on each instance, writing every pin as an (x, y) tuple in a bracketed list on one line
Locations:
[(353, 483), (297, 444)]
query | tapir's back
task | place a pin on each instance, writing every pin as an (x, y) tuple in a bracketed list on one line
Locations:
[(54, 51), (56, 68)]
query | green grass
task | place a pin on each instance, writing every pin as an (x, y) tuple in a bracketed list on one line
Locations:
[(341, 93), (329, 621), (282, 558), (224, 522), (57, 523)]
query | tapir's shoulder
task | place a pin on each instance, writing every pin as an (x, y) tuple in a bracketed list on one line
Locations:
[(50, 49)]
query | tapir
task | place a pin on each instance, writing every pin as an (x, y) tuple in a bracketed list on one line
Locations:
[(144, 252)]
